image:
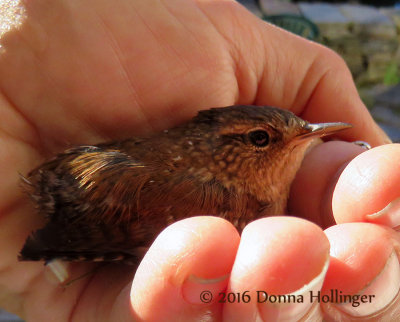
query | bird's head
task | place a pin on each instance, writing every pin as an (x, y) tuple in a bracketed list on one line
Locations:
[(252, 149)]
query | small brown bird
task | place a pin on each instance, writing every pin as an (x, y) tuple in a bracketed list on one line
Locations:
[(108, 202)]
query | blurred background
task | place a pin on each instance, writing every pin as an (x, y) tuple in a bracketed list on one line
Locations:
[(366, 33)]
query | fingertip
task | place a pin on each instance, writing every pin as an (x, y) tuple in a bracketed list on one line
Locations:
[(364, 268), (367, 185), (277, 256), (363, 248), (187, 258), (286, 239)]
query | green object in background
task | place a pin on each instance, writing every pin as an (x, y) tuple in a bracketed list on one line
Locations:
[(392, 75), (297, 24)]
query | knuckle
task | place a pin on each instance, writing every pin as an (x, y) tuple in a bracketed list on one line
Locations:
[(333, 59)]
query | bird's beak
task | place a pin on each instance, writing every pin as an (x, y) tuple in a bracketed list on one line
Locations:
[(322, 129)]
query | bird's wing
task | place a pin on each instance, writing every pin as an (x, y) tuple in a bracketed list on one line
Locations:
[(86, 195), (104, 204)]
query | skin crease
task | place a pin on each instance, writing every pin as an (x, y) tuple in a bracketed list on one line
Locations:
[(74, 73)]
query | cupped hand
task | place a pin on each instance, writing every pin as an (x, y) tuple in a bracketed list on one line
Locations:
[(82, 72)]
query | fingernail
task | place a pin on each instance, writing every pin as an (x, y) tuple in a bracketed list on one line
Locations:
[(388, 216), (294, 306), (377, 295), (197, 290), (59, 271), (363, 144)]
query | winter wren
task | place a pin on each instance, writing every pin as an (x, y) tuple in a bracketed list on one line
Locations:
[(107, 202)]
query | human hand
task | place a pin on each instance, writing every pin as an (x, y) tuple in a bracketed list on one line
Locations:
[(87, 71)]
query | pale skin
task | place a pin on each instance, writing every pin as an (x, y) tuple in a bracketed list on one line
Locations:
[(82, 72)]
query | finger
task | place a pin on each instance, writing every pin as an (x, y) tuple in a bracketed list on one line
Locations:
[(364, 273), (272, 260), (311, 191), (368, 185), (292, 73), (184, 270), (319, 89)]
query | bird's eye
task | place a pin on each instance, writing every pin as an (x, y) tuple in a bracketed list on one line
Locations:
[(259, 138)]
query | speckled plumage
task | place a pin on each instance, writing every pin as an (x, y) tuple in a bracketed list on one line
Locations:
[(109, 202)]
